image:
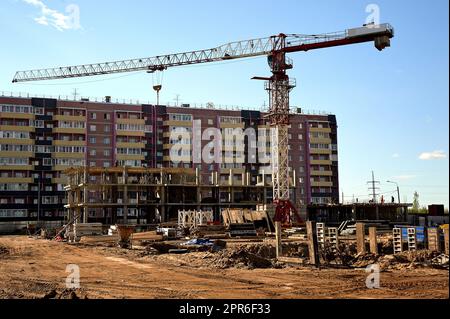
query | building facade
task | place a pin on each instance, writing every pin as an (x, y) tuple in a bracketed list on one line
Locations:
[(41, 138)]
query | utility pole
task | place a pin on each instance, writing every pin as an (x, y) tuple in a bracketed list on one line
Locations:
[(398, 190), (374, 188), (75, 94), (177, 98)]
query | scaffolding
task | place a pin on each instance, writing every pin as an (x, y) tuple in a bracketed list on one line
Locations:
[(138, 195)]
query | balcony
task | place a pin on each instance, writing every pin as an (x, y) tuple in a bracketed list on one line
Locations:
[(17, 128), (16, 154), (16, 180), (69, 130), (130, 133), (27, 116), (69, 118), (321, 162), (130, 121), (125, 157), (16, 167), (321, 184), (130, 145), (68, 143), (320, 140), (68, 155), (321, 173), (178, 123), (17, 141), (320, 129), (319, 151)]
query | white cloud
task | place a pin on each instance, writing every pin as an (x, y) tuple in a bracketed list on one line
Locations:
[(395, 155), (432, 155), (56, 19)]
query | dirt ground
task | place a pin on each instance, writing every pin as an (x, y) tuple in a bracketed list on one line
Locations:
[(34, 268)]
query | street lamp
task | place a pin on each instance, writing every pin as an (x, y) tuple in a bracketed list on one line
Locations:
[(398, 190)]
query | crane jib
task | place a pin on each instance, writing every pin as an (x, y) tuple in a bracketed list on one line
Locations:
[(380, 34)]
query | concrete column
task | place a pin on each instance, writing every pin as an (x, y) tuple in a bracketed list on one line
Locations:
[(278, 239), (433, 239), (125, 195), (360, 238), (446, 240), (85, 196), (312, 243), (373, 240)]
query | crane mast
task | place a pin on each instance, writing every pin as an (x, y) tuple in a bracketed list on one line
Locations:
[(278, 85)]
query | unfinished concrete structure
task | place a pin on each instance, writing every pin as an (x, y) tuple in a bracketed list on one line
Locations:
[(335, 214), (136, 195)]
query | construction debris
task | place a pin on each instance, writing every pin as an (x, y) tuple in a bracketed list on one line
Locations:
[(64, 294), (3, 251)]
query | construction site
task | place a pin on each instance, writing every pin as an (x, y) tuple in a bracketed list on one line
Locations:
[(179, 230)]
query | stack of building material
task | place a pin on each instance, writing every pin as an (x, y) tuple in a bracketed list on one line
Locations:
[(243, 230), (259, 218), (210, 231), (137, 238), (86, 229)]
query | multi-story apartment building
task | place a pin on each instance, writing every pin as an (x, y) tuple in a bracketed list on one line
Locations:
[(40, 138)]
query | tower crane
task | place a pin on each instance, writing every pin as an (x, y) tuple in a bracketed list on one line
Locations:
[(278, 85)]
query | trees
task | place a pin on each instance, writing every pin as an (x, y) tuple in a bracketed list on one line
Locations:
[(416, 205), (416, 209)]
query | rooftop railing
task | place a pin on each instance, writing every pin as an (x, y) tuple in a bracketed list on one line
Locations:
[(207, 106)]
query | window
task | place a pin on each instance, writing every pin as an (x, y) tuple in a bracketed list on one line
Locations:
[(107, 116), (93, 128), (92, 164), (300, 126), (93, 116), (47, 162), (180, 117), (92, 152), (92, 140), (106, 164), (210, 122), (107, 128), (300, 136), (106, 153), (106, 141), (13, 213), (39, 110), (39, 124)]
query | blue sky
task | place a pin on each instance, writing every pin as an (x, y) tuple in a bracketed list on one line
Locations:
[(391, 106)]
